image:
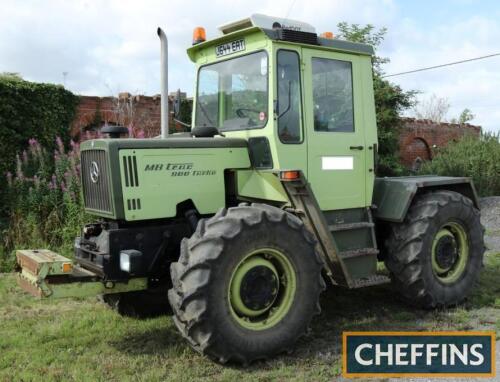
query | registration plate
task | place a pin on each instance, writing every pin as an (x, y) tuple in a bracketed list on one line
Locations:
[(230, 48)]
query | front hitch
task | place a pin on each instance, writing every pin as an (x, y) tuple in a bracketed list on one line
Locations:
[(46, 274)]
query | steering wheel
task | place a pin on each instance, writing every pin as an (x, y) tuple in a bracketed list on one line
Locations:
[(240, 112)]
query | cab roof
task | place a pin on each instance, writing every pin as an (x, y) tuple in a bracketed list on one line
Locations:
[(278, 29)]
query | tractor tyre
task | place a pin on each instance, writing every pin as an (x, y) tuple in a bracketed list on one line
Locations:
[(140, 304), (247, 284), (436, 254)]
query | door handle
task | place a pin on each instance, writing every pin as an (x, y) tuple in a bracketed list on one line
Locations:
[(356, 147)]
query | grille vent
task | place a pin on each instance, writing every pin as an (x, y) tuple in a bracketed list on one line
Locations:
[(298, 36), (130, 171), (134, 204)]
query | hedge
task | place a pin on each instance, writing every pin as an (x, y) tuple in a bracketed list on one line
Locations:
[(476, 158), (30, 110)]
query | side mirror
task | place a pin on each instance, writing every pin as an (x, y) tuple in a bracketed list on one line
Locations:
[(205, 132)]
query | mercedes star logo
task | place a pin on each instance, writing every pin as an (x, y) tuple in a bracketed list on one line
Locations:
[(94, 172)]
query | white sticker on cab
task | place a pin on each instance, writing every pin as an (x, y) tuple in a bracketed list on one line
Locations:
[(337, 163)]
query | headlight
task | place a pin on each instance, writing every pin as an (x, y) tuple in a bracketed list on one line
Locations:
[(124, 262), (130, 261)]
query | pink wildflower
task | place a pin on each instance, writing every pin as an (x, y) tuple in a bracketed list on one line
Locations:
[(9, 178), (60, 145)]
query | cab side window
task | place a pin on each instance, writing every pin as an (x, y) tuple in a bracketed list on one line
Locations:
[(332, 95), (289, 97)]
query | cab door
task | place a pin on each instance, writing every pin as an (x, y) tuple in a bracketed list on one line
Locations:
[(334, 128)]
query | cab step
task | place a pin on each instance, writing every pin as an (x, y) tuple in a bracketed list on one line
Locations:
[(370, 281), (46, 274), (349, 226), (358, 252)]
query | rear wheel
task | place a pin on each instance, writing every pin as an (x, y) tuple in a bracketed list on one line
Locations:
[(247, 284), (435, 255)]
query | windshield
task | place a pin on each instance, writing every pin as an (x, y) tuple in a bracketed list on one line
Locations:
[(233, 94)]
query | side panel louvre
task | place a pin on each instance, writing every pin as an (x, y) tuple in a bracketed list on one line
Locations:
[(125, 171), (130, 171), (133, 204), (136, 177)]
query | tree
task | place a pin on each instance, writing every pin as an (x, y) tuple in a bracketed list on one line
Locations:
[(10, 76), (390, 99), (434, 108), (466, 116), (185, 111)]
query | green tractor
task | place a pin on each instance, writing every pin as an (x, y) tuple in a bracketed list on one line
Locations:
[(239, 224)]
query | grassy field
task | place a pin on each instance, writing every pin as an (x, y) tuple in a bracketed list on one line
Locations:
[(83, 340)]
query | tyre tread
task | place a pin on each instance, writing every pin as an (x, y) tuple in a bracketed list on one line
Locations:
[(213, 233)]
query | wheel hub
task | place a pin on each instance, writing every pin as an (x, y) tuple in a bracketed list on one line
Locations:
[(446, 252), (262, 289), (259, 288), (450, 252), (255, 286)]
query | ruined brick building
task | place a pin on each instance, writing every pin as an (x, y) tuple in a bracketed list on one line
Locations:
[(137, 111), (418, 140)]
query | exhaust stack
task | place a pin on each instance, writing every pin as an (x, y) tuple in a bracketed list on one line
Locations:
[(164, 82)]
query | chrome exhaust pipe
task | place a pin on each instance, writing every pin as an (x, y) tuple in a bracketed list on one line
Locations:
[(164, 82)]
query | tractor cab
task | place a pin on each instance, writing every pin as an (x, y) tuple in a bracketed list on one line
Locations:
[(302, 101)]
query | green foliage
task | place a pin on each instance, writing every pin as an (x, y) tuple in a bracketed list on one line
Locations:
[(390, 99), (30, 110), (366, 35), (185, 111), (10, 75), (466, 116), (472, 157), (44, 200)]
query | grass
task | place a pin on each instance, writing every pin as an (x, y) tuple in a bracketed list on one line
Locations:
[(83, 340)]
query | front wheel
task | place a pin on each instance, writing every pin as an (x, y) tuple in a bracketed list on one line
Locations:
[(436, 254), (247, 284)]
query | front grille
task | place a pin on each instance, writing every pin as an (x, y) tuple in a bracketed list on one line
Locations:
[(96, 180)]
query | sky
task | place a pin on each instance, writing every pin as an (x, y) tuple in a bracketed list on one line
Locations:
[(105, 47)]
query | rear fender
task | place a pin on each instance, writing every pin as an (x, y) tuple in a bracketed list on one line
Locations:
[(392, 197)]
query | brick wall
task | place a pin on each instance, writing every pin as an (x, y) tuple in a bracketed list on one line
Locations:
[(141, 114), (418, 140), (421, 137)]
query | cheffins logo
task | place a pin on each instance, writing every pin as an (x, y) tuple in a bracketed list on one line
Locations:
[(418, 354)]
